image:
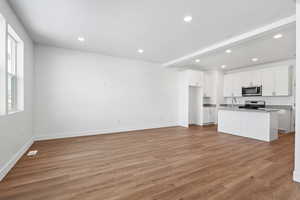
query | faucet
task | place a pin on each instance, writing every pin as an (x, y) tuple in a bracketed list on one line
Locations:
[(233, 101)]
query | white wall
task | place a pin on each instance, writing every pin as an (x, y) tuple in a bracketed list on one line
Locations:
[(16, 129), (183, 99), (81, 93), (297, 140), (269, 100), (195, 104)]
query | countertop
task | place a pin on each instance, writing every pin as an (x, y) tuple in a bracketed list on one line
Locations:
[(209, 105), (264, 110), (276, 107)]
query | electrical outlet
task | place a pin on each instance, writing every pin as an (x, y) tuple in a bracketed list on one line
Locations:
[(32, 153)]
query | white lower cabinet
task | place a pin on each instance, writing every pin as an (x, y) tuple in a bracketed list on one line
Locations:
[(286, 121), (252, 124), (209, 115)]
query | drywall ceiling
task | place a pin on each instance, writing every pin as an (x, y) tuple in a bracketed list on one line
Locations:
[(263, 47), (120, 28)]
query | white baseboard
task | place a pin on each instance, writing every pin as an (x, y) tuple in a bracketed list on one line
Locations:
[(99, 132), (11, 163), (296, 176)]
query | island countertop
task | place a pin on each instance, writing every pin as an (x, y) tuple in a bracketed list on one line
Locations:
[(256, 124), (266, 110)]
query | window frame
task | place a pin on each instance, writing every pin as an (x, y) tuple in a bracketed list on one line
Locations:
[(12, 96), (13, 76)]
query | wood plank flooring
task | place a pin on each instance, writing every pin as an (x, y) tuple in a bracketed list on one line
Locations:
[(160, 164)]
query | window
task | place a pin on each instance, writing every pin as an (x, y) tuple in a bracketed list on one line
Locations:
[(2, 66), (11, 70), (14, 72), (12, 100)]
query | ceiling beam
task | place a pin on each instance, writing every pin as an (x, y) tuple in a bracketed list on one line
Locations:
[(233, 40)]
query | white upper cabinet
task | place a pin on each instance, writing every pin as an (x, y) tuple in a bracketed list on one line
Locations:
[(195, 78), (275, 81), (233, 85), (255, 78), (245, 79), (237, 85), (282, 81), (250, 78), (268, 82), (228, 90), (208, 85)]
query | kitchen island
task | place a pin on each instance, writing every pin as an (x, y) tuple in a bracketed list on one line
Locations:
[(261, 124)]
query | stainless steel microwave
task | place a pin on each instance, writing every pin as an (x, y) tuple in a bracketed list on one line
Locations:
[(252, 91)]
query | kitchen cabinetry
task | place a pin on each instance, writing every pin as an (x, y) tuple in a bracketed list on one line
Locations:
[(208, 84), (282, 81), (195, 78), (228, 85), (275, 81), (255, 78), (232, 85), (250, 78), (268, 82), (286, 121), (209, 115), (236, 85)]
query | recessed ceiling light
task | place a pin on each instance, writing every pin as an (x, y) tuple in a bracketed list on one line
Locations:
[(141, 51), (224, 66), (197, 60), (254, 59), (81, 39), (188, 18), (277, 36), (228, 51)]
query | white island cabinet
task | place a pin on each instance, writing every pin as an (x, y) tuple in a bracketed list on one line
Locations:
[(256, 124)]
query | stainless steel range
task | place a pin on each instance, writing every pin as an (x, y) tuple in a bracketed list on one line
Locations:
[(254, 105)]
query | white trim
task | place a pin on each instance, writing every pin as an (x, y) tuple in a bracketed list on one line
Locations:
[(296, 176), (235, 39), (51, 136), (11, 163)]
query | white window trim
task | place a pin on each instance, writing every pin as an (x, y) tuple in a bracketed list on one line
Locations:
[(15, 75), (7, 31)]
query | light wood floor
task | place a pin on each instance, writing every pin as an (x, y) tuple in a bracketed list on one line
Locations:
[(160, 164)]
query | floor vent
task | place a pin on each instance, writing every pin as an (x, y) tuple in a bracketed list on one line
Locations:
[(32, 153)]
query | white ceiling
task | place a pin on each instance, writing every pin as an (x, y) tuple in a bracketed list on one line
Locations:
[(119, 28), (264, 47)]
